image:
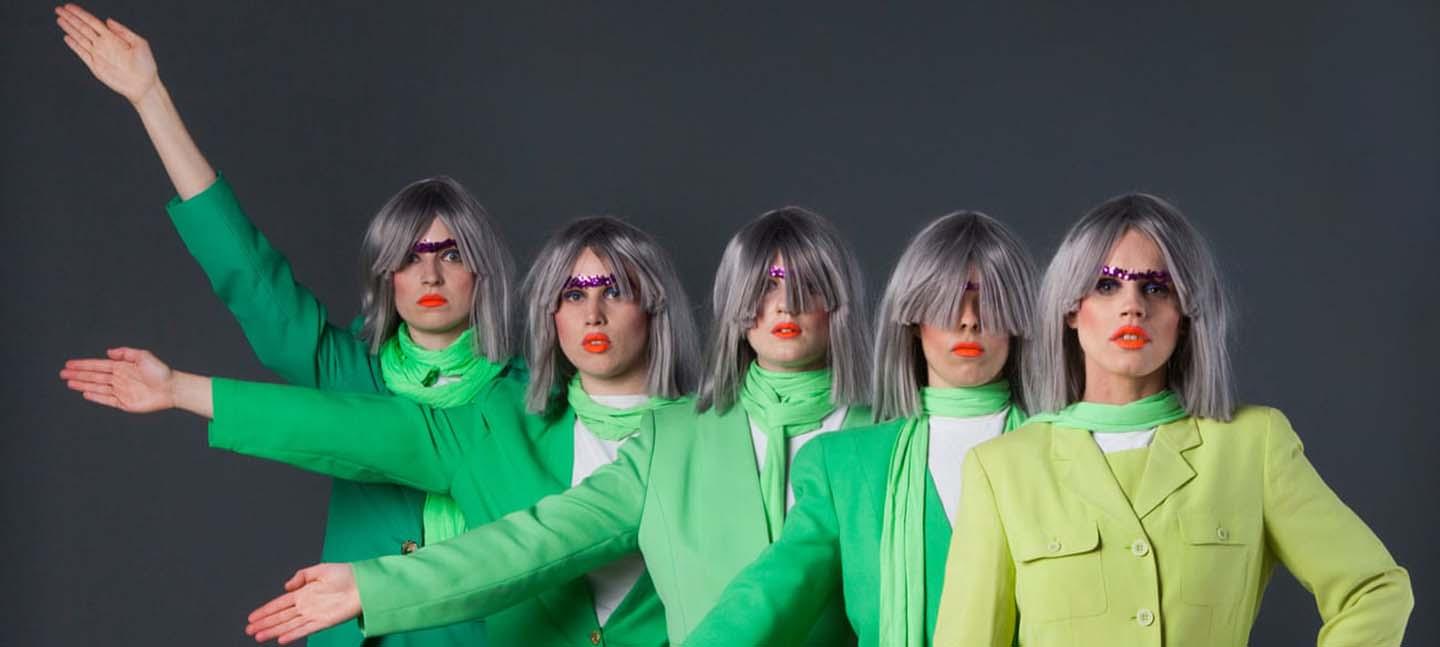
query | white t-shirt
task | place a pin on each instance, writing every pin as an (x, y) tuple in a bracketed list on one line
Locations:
[(757, 435), (950, 439), (610, 583)]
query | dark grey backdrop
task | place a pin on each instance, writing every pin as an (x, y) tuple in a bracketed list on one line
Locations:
[(1300, 136)]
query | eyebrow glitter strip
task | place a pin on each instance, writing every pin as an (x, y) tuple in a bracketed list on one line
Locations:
[(777, 272), (1123, 274), (590, 281), (426, 248)]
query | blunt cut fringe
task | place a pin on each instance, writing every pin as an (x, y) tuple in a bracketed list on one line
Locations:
[(643, 272), (1199, 371), (394, 231), (821, 272), (928, 286)]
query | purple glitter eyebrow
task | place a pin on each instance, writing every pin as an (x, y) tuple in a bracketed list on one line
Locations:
[(423, 247), (777, 272), (1123, 274), (971, 285), (590, 281)]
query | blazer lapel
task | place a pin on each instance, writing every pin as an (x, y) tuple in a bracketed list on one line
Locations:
[(1166, 470), (1082, 468), (730, 485)]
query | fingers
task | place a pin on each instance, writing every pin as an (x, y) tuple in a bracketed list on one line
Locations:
[(88, 19), (78, 26), (98, 365), (76, 30), (286, 601), (131, 38), (272, 621), (303, 631), (85, 56), (98, 388), (97, 377), (107, 400), (282, 630)]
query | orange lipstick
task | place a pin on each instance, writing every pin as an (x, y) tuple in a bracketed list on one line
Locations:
[(432, 301), (786, 330), (1130, 337), (595, 342), (967, 349)]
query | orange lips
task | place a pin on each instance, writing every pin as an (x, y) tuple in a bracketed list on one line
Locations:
[(1130, 337), (786, 330), (595, 342), (432, 301), (968, 349)]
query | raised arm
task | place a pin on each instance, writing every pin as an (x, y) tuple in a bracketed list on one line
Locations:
[(777, 599), (1363, 596), (480, 572), (361, 437), (122, 60)]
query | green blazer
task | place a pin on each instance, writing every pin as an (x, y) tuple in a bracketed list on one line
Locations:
[(831, 539), (685, 490), (291, 335), (489, 455), (1048, 530)]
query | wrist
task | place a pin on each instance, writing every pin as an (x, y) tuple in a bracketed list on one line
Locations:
[(190, 392), (154, 99)]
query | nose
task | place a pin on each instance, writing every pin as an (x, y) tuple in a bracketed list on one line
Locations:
[(969, 315), (1132, 305), (595, 311), (430, 271)]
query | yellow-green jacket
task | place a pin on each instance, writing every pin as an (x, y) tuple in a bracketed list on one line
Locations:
[(1045, 529)]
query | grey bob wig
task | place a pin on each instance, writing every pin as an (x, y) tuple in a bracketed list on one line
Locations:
[(928, 286), (820, 271), (1199, 369), (643, 272), (393, 233)]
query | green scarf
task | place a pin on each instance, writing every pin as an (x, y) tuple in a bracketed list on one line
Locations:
[(412, 371), (1145, 413), (902, 533), (607, 422), (783, 405)]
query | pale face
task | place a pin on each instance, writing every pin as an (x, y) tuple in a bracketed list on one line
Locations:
[(964, 354), (1128, 328), (784, 340), (434, 290), (604, 336)]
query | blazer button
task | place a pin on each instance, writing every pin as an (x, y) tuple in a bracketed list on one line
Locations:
[(1054, 546), (1140, 548), (408, 546), (595, 637), (1222, 534), (1145, 617)]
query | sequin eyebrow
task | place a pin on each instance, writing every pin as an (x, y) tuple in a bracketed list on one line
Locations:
[(424, 247), (590, 281), (1158, 276)]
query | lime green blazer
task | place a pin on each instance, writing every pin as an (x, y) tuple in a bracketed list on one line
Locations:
[(1048, 531), (685, 490), (831, 539), (490, 456), (291, 335)]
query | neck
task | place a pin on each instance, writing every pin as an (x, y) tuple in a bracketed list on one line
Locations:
[(434, 340), (1108, 388), (791, 367), (631, 383)]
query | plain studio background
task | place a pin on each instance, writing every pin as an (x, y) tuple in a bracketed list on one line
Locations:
[(1301, 139)]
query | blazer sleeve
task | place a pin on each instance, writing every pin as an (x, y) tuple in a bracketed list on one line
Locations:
[(778, 598), (977, 604), (514, 558), (355, 436), (1364, 598), (286, 325)]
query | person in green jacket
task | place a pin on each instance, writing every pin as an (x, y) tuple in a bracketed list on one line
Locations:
[(1143, 506), (875, 506), (609, 339), (436, 298), (701, 492)]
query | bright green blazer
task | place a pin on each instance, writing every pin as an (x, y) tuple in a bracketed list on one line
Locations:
[(685, 490), (492, 457), (1048, 530), (831, 539), (291, 335)]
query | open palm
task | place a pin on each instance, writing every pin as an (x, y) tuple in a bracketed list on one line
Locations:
[(120, 58), (317, 597), (131, 380)]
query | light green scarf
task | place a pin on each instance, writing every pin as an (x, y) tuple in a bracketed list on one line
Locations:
[(902, 533), (605, 422), (1145, 413), (412, 371), (783, 405)]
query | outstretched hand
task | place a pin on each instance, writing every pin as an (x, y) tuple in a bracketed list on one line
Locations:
[(120, 58), (316, 598), (132, 380)]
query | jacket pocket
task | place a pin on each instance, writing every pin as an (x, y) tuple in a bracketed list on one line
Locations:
[(1216, 557), (1058, 574)]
